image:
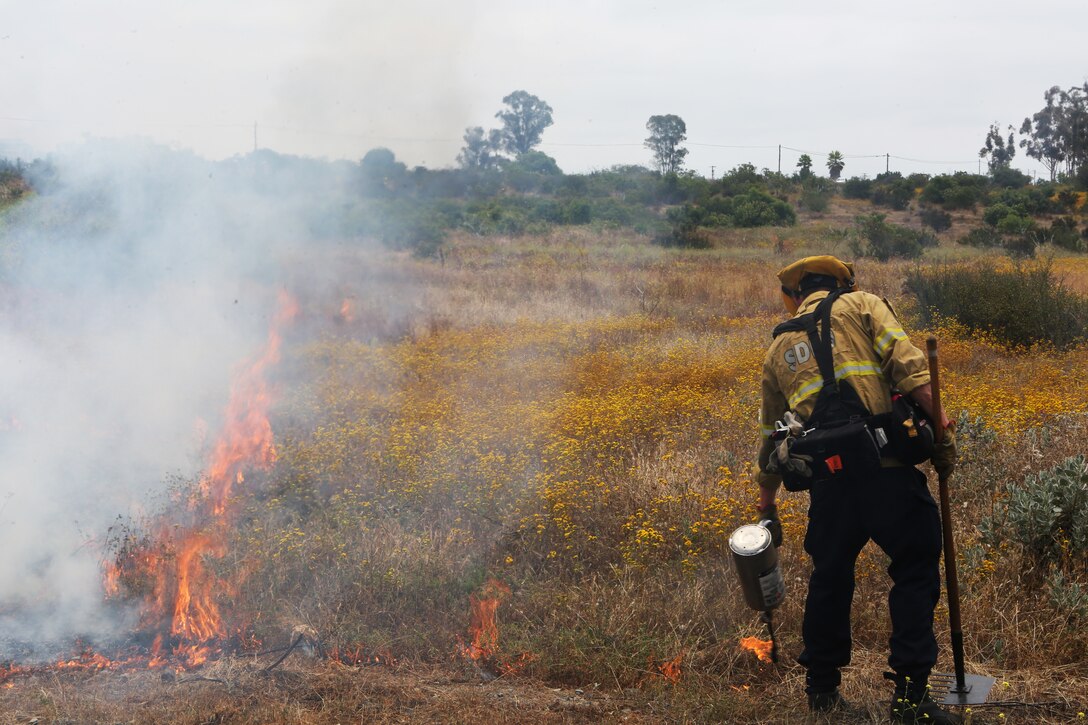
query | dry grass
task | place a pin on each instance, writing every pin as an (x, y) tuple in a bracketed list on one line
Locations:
[(574, 414), (237, 691)]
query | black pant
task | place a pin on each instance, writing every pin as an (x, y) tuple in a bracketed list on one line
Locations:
[(896, 510)]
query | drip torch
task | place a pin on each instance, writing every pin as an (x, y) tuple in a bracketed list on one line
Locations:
[(756, 560)]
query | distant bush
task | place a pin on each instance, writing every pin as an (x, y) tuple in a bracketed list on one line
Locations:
[(958, 191), (816, 193), (892, 190), (1033, 200), (1007, 177), (857, 188), (917, 181), (1017, 231), (758, 209), (875, 237), (778, 185), (1068, 199), (684, 229), (936, 219), (985, 237), (739, 180), (1063, 234), (1022, 306)]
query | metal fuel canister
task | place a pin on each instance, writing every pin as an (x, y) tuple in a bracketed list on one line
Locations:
[(756, 560)]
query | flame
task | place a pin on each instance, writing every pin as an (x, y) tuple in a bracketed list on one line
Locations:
[(761, 647), (347, 310), (483, 627), (671, 668), (182, 606)]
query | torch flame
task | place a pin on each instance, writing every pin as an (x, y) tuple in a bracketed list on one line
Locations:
[(761, 647)]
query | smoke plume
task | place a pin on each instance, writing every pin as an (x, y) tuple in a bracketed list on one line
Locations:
[(131, 284)]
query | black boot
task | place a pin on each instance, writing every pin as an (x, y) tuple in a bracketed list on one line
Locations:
[(912, 703), (826, 701)]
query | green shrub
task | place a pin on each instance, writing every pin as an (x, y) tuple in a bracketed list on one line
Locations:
[(1022, 245), (1022, 306), (1068, 199), (1068, 596), (755, 208), (1028, 201), (739, 180), (1007, 177), (994, 213), (936, 219), (985, 237), (958, 191), (892, 190), (1016, 231), (857, 188), (1047, 515), (1015, 224), (815, 200), (1063, 234), (684, 229), (875, 237)]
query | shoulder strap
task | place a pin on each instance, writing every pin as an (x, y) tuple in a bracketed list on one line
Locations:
[(821, 339), (817, 325)]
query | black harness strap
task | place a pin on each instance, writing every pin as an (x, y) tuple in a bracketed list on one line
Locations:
[(810, 323), (836, 401)]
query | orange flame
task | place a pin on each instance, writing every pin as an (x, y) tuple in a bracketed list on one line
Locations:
[(347, 310), (483, 627), (184, 594), (761, 647), (671, 668)]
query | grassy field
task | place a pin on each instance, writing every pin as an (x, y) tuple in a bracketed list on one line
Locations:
[(574, 416)]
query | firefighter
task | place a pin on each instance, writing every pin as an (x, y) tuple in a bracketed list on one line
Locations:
[(890, 504)]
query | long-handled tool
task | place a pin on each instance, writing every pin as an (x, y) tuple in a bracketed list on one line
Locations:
[(955, 688)]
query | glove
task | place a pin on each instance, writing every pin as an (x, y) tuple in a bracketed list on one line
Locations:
[(945, 453), (770, 521), (783, 459)]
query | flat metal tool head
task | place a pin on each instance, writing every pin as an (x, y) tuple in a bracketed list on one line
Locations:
[(976, 688)]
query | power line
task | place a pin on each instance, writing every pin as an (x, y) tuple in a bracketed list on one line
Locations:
[(407, 139)]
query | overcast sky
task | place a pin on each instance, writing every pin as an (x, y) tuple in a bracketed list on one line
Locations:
[(920, 81)]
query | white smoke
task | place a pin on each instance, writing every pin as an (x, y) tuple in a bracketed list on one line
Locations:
[(130, 288)]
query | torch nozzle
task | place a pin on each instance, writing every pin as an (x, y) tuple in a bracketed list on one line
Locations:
[(767, 616)]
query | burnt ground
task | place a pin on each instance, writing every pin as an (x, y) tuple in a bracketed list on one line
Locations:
[(238, 690)]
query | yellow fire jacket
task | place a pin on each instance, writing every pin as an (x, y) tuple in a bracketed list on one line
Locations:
[(869, 349)]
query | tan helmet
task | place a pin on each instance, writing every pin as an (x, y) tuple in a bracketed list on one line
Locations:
[(791, 276)]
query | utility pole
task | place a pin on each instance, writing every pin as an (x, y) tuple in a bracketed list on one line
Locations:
[(712, 172), (887, 162), (780, 158)]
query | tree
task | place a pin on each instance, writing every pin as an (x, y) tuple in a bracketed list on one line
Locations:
[(1059, 132), (666, 134), (381, 172), (481, 149), (835, 164), (805, 165), (1000, 151), (523, 122)]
